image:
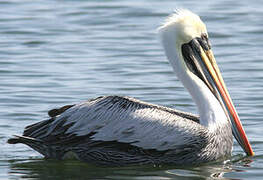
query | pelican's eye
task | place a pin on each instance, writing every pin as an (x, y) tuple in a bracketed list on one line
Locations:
[(204, 42)]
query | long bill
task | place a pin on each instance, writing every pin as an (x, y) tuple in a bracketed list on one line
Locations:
[(200, 60), (237, 127), (212, 77)]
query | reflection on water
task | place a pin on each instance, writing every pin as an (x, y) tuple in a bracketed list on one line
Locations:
[(72, 169), (52, 169), (46, 169)]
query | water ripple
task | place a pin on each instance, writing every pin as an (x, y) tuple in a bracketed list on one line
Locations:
[(55, 53)]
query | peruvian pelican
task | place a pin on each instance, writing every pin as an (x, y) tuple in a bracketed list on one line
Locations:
[(114, 130)]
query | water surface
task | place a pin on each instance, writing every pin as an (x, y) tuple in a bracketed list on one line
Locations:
[(61, 52)]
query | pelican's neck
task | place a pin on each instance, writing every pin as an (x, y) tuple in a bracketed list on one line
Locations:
[(210, 110)]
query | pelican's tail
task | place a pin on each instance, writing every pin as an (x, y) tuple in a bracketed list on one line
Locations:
[(22, 139), (34, 143)]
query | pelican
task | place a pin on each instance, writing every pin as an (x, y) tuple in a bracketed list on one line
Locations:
[(115, 130)]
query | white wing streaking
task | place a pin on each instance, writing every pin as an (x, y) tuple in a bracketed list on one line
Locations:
[(123, 119)]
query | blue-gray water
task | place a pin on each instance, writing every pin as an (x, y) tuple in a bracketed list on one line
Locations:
[(55, 52)]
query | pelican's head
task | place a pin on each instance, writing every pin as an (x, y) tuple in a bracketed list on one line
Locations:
[(181, 28), (184, 25), (187, 47)]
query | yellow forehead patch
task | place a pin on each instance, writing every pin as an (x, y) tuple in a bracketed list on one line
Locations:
[(185, 24)]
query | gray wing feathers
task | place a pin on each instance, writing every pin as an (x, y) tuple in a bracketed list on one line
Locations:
[(127, 120)]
